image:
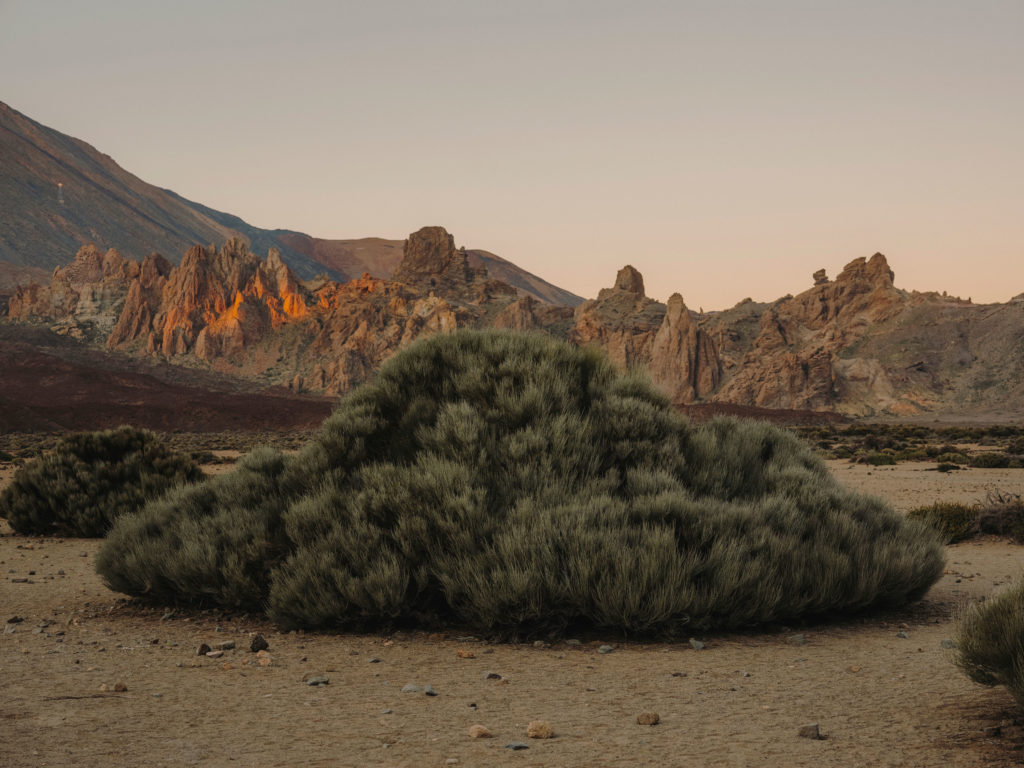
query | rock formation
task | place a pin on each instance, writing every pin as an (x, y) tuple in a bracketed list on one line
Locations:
[(855, 344)]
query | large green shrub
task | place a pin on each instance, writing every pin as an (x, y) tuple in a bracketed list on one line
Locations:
[(510, 482), (990, 641), (90, 479)]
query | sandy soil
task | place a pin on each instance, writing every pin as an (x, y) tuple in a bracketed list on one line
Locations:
[(881, 699)]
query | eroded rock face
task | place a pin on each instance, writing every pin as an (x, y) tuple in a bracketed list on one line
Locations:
[(621, 320), (83, 299), (684, 362), (431, 262), (793, 362), (855, 344)]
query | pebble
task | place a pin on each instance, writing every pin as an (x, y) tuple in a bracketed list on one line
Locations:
[(429, 690), (385, 711), (225, 645), (203, 649), (374, 660), (993, 731), (517, 745), (15, 619), (539, 729), (258, 644), (810, 731), (573, 643), (214, 654), (605, 649), (492, 676), (539, 644), (318, 680), (452, 761), (479, 732), (696, 644), (948, 644), (410, 688), (902, 634), (120, 687), (648, 718), (463, 654)]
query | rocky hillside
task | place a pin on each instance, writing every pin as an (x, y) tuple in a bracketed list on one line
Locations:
[(58, 194), (854, 345)]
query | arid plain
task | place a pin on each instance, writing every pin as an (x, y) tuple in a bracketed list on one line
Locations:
[(883, 689)]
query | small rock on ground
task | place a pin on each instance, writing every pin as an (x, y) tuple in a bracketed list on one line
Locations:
[(479, 732), (517, 745), (696, 644), (810, 731), (259, 643), (318, 680), (605, 649), (203, 649), (410, 688), (429, 690), (648, 718)]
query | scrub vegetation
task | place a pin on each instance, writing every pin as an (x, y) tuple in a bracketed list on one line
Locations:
[(89, 479), (511, 483)]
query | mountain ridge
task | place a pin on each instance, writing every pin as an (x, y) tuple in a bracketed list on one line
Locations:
[(104, 205)]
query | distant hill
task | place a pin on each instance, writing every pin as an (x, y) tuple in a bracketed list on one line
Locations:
[(58, 193)]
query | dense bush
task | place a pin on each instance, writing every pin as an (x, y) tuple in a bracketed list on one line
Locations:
[(990, 641), (954, 522), (512, 483), (89, 480)]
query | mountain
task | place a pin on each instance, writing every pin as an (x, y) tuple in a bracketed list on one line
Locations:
[(58, 194), (855, 345)]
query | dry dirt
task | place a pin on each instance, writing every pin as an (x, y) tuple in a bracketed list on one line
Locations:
[(880, 699)]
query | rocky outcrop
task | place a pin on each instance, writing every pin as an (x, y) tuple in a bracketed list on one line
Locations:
[(794, 360), (855, 344), (431, 262), (83, 299), (621, 320), (684, 362)]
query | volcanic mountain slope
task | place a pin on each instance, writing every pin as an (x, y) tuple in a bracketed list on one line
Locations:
[(856, 345), (58, 194)]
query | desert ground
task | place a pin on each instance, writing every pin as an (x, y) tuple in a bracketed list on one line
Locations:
[(88, 678)]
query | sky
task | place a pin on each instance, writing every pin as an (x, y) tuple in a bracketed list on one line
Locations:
[(725, 149)]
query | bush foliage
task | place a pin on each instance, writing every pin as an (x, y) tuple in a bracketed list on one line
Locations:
[(513, 483), (990, 641), (954, 522), (90, 479)]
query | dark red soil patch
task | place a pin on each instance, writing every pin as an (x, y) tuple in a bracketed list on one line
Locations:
[(68, 387)]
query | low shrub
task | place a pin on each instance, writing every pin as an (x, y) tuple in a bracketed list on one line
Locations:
[(1016, 447), (989, 460), (510, 483), (880, 459), (89, 480), (946, 467), (951, 458), (1002, 514), (954, 522), (989, 642)]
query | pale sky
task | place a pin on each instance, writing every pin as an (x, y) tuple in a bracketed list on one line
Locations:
[(725, 149)]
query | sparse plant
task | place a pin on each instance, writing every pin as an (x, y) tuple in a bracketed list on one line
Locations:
[(1002, 514), (89, 480), (990, 641), (954, 522), (512, 483)]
